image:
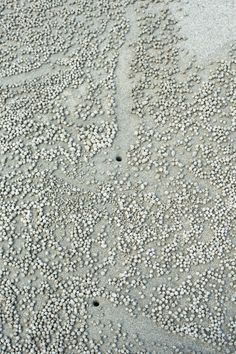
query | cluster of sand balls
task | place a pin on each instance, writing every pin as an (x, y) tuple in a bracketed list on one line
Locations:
[(93, 246)]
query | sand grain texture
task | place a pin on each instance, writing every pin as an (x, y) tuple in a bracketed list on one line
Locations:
[(118, 176)]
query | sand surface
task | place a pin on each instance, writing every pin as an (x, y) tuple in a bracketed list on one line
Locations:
[(118, 176)]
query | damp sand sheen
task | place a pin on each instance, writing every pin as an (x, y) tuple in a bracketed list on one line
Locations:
[(117, 176)]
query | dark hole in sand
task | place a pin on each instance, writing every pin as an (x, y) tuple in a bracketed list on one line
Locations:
[(118, 158)]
